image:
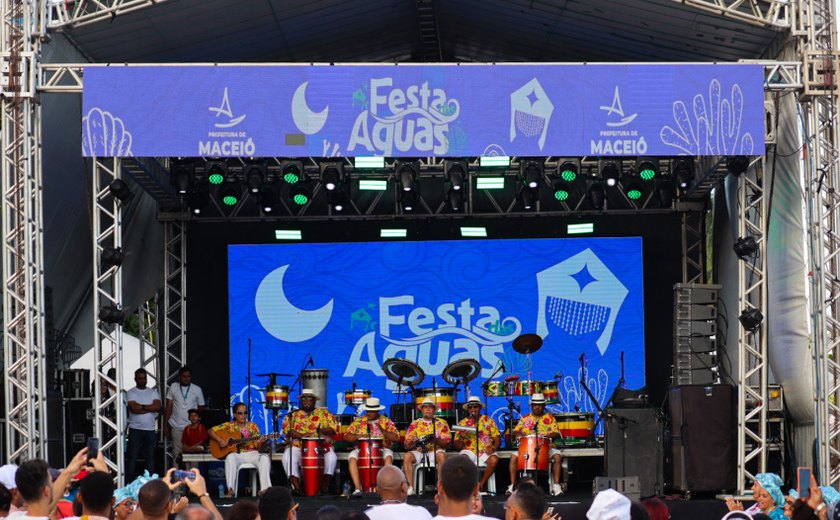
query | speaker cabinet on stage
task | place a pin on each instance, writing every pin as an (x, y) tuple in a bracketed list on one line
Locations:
[(703, 437), (634, 447), (78, 421)]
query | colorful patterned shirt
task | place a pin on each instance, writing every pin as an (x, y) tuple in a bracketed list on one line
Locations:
[(249, 430), (306, 424), (528, 424), (420, 428), (359, 427), (487, 431)]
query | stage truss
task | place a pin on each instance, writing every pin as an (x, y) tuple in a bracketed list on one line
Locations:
[(811, 24)]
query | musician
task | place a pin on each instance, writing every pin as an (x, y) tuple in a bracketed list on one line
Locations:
[(538, 423), (489, 438), (248, 452), (425, 433), (372, 425), (308, 422)]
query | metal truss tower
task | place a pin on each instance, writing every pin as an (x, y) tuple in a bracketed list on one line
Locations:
[(24, 341)]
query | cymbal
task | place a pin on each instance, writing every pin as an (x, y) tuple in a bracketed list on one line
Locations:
[(527, 343), (403, 371), (462, 370)]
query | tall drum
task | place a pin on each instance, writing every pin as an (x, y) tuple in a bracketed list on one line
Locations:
[(316, 379), (443, 397)]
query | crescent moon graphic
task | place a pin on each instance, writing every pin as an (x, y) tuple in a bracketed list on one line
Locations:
[(307, 121), (283, 320)]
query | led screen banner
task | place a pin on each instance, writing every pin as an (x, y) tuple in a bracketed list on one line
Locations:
[(423, 110), (352, 306)]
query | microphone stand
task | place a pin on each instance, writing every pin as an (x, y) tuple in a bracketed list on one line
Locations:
[(434, 449), (248, 378), (476, 447), (537, 453), (370, 456), (290, 447)]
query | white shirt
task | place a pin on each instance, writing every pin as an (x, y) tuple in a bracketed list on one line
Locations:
[(142, 421), (468, 517), (183, 398), (401, 511)]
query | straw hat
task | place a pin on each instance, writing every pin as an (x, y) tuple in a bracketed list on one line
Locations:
[(537, 399), (308, 392), (372, 405), (428, 402), (473, 400)]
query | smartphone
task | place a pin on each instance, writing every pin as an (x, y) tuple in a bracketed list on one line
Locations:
[(181, 475), (549, 511), (803, 482), (92, 447)]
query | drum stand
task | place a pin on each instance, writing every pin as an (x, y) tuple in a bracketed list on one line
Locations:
[(509, 420), (592, 397)]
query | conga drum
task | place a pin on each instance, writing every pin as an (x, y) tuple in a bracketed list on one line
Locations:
[(444, 398), (370, 462), (576, 428), (528, 458), (277, 397), (528, 387), (551, 392), (311, 465), (494, 389), (356, 397)]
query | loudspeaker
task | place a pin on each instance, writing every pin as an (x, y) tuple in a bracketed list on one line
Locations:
[(634, 447), (703, 437), (78, 420)]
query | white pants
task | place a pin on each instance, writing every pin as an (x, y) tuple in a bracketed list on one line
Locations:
[(261, 460), (177, 447), (330, 460), (418, 457), (482, 457), (384, 451)]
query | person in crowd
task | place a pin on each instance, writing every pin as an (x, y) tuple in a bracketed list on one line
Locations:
[(539, 423), (328, 512), (372, 425), (143, 407), (354, 515), (638, 511), (35, 487), (248, 452), (428, 433), (527, 502), (761, 480), (154, 500), (7, 479), (277, 503), (489, 439), (392, 487), (737, 515), (124, 504), (96, 495), (244, 510), (829, 495), (194, 438), (198, 487), (457, 486), (657, 509), (5, 501), (182, 397), (609, 504), (308, 422)]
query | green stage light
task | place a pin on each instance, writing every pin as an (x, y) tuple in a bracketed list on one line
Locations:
[(229, 194), (215, 178), (300, 197), (647, 169), (568, 171), (292, 172), (634, 193), (291, 177), (216, 172)]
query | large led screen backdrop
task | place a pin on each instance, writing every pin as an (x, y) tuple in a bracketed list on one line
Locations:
[(351, 306)]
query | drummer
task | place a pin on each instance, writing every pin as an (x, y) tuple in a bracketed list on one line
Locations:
[(309, 421), (428, 427), (489, 438), (538, 423), (375, 426)]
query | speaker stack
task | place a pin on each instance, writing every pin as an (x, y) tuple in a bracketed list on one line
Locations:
[(634, 447)]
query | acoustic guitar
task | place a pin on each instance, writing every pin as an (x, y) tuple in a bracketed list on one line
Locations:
[(234, 441)]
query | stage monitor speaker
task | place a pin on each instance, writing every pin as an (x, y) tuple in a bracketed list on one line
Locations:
[(703, 437), (401, 413), (634, 447), (78, 422)]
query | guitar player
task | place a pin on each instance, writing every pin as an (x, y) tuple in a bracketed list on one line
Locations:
[(247, 452)]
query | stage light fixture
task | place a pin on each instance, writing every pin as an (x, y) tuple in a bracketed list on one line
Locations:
[(531, 172), (217, 171), (120, 190), (596, 194), (197, 201), (683, 171), (301, 195), (229, 193), (455, 172), (569, 169), (528, 197), (646, 168), (111, 314), (408, 200), (181, 174), (268, 199), (751, 319), (369, 162), (332, 175), (610, 171), (255, 174), (455, 199), (562, 189), (292, 172), (339, 200), (737, 164), (633, 189), (745, 247), (407, 173), (665, 191), (111, 256), (494, 161)]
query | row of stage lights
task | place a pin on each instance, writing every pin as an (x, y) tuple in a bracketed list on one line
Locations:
[(229, 184)]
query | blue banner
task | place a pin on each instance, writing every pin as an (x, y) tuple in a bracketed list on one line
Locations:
[(352, 306), (423, 110)]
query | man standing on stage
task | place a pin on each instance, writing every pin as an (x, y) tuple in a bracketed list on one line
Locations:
[(374, 426), (183, 396), (489, 438), (143, 407), (423, 434), (309, 421), (248, 452), (543, 425)]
